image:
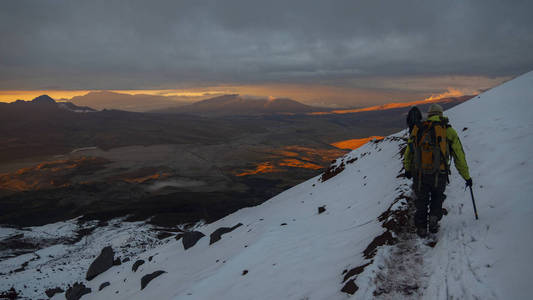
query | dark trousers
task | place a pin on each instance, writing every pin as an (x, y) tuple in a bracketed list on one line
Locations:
[(430, 195)]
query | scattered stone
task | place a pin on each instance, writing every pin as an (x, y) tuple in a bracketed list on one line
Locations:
[(163, 235), (355, 271), (77, 291), (217, 234), (149, 277), (431, 244), (117, 262), (102, 263), (51, 292), (351, 161), (9, 294), (283, 224), (22, 267), (136, 265), (126, 259), (321, 209), (244, 272), (332, 171), (350, 287), (150, 258), (384, 239), (103, 285), (191, 238), (465, 128)]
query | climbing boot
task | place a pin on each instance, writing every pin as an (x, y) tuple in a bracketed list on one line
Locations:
[(422, 232), (433, 224)]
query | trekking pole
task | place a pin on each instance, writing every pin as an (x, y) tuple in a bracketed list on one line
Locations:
[(473, 202)]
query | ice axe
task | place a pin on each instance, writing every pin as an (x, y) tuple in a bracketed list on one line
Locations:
[(473, 202)]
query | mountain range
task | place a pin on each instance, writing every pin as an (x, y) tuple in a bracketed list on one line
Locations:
[(136, 103), (238, 105)]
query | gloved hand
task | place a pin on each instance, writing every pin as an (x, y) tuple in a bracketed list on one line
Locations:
[(469, 182), (408, 174)]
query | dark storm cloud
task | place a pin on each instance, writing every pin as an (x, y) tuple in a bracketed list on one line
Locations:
[(160, 44)]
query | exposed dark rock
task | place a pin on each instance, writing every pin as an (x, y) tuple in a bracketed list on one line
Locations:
[(191, 238), (244, 272), (22, 267), (355, 271), (384, 239), (332, 171), (150, 258), (136, 265), (350, 287), (321, 209), (351, 161), (163, 235), (283, 224), (149, 277), (217, 234), (126, 259), (178, 236), (117, 262), (102, 263), (9, 294), (51, 292), (103, 285), (77, 291)]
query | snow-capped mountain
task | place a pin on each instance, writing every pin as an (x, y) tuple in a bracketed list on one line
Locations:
[(348, 233)]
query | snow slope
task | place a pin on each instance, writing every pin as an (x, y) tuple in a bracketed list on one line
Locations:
[(364, 241), (65, 255)]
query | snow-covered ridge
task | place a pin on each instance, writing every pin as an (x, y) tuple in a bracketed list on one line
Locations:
[(290, 248)]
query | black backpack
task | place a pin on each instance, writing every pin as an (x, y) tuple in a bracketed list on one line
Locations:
[(414, 116)]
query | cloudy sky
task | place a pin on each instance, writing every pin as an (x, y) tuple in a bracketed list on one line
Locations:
[(330, 52)]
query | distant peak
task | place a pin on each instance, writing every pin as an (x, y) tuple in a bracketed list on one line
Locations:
[(45, 99)]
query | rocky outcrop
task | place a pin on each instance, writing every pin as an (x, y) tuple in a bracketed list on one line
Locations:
[(51, 292), (117, 262), (102, 263), (321, 209), (191, 238), (103, 285), (9, 294), (217, 234), (136, 265), (149, 277), (76, 291)]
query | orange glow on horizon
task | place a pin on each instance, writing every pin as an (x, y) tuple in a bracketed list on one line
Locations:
[(355, 143), (430, 99), (10, 96), (451, 92)]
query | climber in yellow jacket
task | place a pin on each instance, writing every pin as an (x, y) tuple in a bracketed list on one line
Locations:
[(427, 160)]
